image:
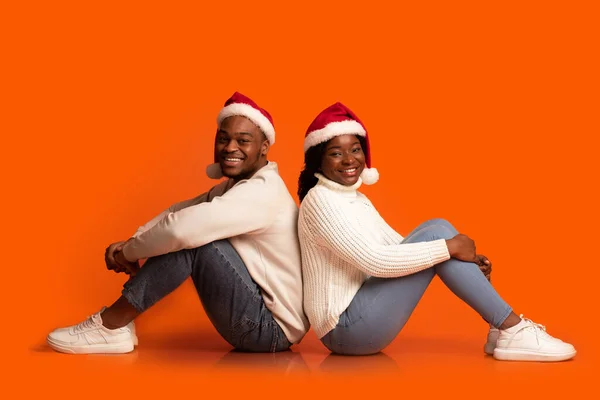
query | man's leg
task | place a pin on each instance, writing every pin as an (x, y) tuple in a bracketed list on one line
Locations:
[(232, 300)]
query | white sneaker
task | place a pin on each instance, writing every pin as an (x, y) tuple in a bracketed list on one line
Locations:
[(91, 337), (492, 339), (134, 337), (528, 341)]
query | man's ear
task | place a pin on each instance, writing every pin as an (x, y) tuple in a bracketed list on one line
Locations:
[(265, 146)]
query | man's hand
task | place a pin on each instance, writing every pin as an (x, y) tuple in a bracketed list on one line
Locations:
[(485, 265), (109, 255), (129, 267), (462, 248)]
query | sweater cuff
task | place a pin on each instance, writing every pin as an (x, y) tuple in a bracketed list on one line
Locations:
[(439, 251), (128, 252)]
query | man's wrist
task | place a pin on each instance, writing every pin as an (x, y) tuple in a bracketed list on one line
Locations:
[(124, 250)]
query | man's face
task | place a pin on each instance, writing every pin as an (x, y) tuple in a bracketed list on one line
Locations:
[(240, 148)]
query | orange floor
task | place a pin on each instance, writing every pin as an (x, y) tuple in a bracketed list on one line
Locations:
[(180, 354)]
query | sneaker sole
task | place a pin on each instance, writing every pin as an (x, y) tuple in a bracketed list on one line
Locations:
[(525, 355), (114, 348)]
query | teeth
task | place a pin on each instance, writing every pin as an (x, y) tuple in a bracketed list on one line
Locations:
[(233, 159), (349, 170)]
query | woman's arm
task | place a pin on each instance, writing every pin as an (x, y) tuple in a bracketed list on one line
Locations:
[(392, 237), (333, 227)]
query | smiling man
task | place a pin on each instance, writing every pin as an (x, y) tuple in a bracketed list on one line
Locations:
[(238, 242)]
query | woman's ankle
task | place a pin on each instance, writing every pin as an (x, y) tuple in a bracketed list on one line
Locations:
[(510, 321)]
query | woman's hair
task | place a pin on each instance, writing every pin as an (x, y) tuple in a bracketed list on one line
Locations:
[(312, 164)]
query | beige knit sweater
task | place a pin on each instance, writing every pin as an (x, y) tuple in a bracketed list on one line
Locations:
[(259, 217), (344, 240)]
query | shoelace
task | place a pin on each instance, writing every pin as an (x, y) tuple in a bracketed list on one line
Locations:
[(85, 325), (538, 329)]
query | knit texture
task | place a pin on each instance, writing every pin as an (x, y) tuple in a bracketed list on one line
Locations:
[(344, 241), (259, 218)]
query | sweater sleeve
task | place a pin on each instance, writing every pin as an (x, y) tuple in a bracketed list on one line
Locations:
[(390, 235), (249, 206), (174, 208), (333, 227)]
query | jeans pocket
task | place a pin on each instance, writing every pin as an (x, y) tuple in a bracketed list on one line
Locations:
[(240, 331), (280, 342)]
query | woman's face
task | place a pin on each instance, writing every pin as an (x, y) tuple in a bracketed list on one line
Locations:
[(343, 160)]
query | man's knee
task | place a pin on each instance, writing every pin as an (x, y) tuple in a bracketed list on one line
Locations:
[(211, 249), (220, 260)]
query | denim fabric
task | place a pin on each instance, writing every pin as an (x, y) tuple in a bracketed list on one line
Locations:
[(382, 306), (231, 299)]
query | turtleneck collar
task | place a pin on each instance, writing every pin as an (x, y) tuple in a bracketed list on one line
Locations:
[(346, 191)]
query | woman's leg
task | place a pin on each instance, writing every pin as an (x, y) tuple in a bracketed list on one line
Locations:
[(493, 333), (382, 306), (465, 279)]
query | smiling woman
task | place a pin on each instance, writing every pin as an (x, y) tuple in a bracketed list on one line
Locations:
[(362, 280), (344, 159), (342, 153)]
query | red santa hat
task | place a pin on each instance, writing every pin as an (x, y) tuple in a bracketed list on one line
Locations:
[(238, 104), (337, 120)]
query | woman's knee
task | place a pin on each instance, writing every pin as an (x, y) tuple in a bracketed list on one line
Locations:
[(442, 222), (432, 232)]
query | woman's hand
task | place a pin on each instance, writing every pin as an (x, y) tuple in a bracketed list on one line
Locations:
[(462, 248), (485, 265)]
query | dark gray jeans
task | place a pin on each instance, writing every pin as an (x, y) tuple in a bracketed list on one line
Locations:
[(231, 299), (382, 306)]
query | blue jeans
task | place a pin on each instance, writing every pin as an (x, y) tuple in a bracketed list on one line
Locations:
[(231, 299), (382, 306)]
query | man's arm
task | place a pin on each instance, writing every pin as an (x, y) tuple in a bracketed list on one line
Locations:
[(174, 208), (249, 206), (113, 249)]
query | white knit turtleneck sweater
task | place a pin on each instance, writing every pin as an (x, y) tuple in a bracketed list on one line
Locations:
[(344, 240)]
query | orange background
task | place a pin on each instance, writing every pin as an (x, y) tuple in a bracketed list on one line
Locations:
[(482, 113)]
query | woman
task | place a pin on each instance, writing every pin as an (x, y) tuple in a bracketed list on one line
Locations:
[(362, 280)]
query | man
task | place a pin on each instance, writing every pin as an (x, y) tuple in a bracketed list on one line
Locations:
[(238, 242)]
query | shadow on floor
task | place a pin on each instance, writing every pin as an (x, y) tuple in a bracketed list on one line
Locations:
[(372, 364), (284, 362)]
